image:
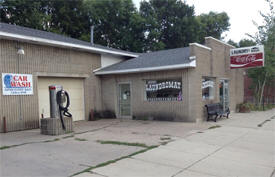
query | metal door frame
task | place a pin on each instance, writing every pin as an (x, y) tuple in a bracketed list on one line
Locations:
[(118, 99), (223, 101)]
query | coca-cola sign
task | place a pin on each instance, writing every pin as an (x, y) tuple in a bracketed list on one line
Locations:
[(247, 57)]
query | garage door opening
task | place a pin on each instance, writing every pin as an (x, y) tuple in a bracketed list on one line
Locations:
[(75, 88)]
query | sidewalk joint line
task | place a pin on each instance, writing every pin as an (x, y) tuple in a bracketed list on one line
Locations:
[(273, 172), (209, 154)]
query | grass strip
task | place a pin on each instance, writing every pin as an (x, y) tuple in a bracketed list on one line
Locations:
[(165, 138), (215, 126), (81, 139), (11, 146), (70, 136), (47, 141), (115, 160), (123, 143), (6, 147)]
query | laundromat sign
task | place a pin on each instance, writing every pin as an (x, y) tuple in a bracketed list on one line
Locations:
[(17, 84), (155, 86), (247, 57)]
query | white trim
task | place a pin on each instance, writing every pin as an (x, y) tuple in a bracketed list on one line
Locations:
[(210, 37), (63, 44), (48, 74), (192, 64), (192, 58), (199, 45), (98, 69), (241, 65)]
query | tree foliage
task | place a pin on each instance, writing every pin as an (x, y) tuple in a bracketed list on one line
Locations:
[(170, 24), (63, 17), (213, 24), (265, 76), (242, 43), (159, 24), (117, 24), (24, 13)]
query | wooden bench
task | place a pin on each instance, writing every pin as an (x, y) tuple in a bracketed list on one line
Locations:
[(216, 110)]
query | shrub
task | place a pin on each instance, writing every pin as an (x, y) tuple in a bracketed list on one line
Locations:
[(107, 114), (243, 107)]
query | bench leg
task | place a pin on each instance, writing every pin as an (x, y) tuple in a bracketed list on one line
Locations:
[(207, 118), (216, 118), (227, 116)]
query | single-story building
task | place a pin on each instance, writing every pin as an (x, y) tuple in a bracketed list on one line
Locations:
[(171, 84)]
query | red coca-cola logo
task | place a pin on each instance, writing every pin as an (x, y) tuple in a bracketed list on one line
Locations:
[(243, 59), (248, 60)]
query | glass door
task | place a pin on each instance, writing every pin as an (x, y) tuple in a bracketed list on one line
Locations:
[(124, 100), (224, 93)]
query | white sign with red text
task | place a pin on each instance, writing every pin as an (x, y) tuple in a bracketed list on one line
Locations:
[(247, 57), (17, 84)]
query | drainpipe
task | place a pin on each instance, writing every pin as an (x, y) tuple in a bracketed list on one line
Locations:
[(92, 35), (4, 125)]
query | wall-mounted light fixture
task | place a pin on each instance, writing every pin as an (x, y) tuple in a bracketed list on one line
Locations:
[(20, 51)]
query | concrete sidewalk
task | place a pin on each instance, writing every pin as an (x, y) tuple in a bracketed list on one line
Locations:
[(242, 146), (28, 153)]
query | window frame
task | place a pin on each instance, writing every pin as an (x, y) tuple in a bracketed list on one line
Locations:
[(161, 80), (212, 92)]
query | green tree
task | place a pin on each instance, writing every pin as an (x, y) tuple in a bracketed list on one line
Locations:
[(169, 24), (231, 42), (64, 17), (67, 17), (265, 76), (213, 24), (117, 24), (242, 43), (246, 43), (160, 24), (25, 13)]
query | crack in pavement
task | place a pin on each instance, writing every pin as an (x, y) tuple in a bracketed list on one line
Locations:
[(219, 150), (71, 135), (273, 173)]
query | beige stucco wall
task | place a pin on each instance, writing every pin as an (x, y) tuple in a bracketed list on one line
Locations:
[(140, 107), (44, 61), (213, 63), (210, 63)]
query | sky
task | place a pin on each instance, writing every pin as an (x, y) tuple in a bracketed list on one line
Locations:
[(241, 14)]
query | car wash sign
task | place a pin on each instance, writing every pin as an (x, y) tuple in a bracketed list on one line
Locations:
[(247, 57), (17, 84)]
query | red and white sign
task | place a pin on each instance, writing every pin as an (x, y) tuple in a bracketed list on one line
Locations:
[(17, 84), (247, 57)]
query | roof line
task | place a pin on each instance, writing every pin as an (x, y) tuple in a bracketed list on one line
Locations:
[(210, 37), (64, 44), (199, 45), (191, 64)]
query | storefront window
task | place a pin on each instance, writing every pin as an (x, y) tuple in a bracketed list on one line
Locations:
[(208, 88), (164, 90)]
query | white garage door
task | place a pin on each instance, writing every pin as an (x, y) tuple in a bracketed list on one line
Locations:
[(76, 92)]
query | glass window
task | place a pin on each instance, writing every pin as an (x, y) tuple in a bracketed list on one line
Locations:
[(208, 88), (164, 90)]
